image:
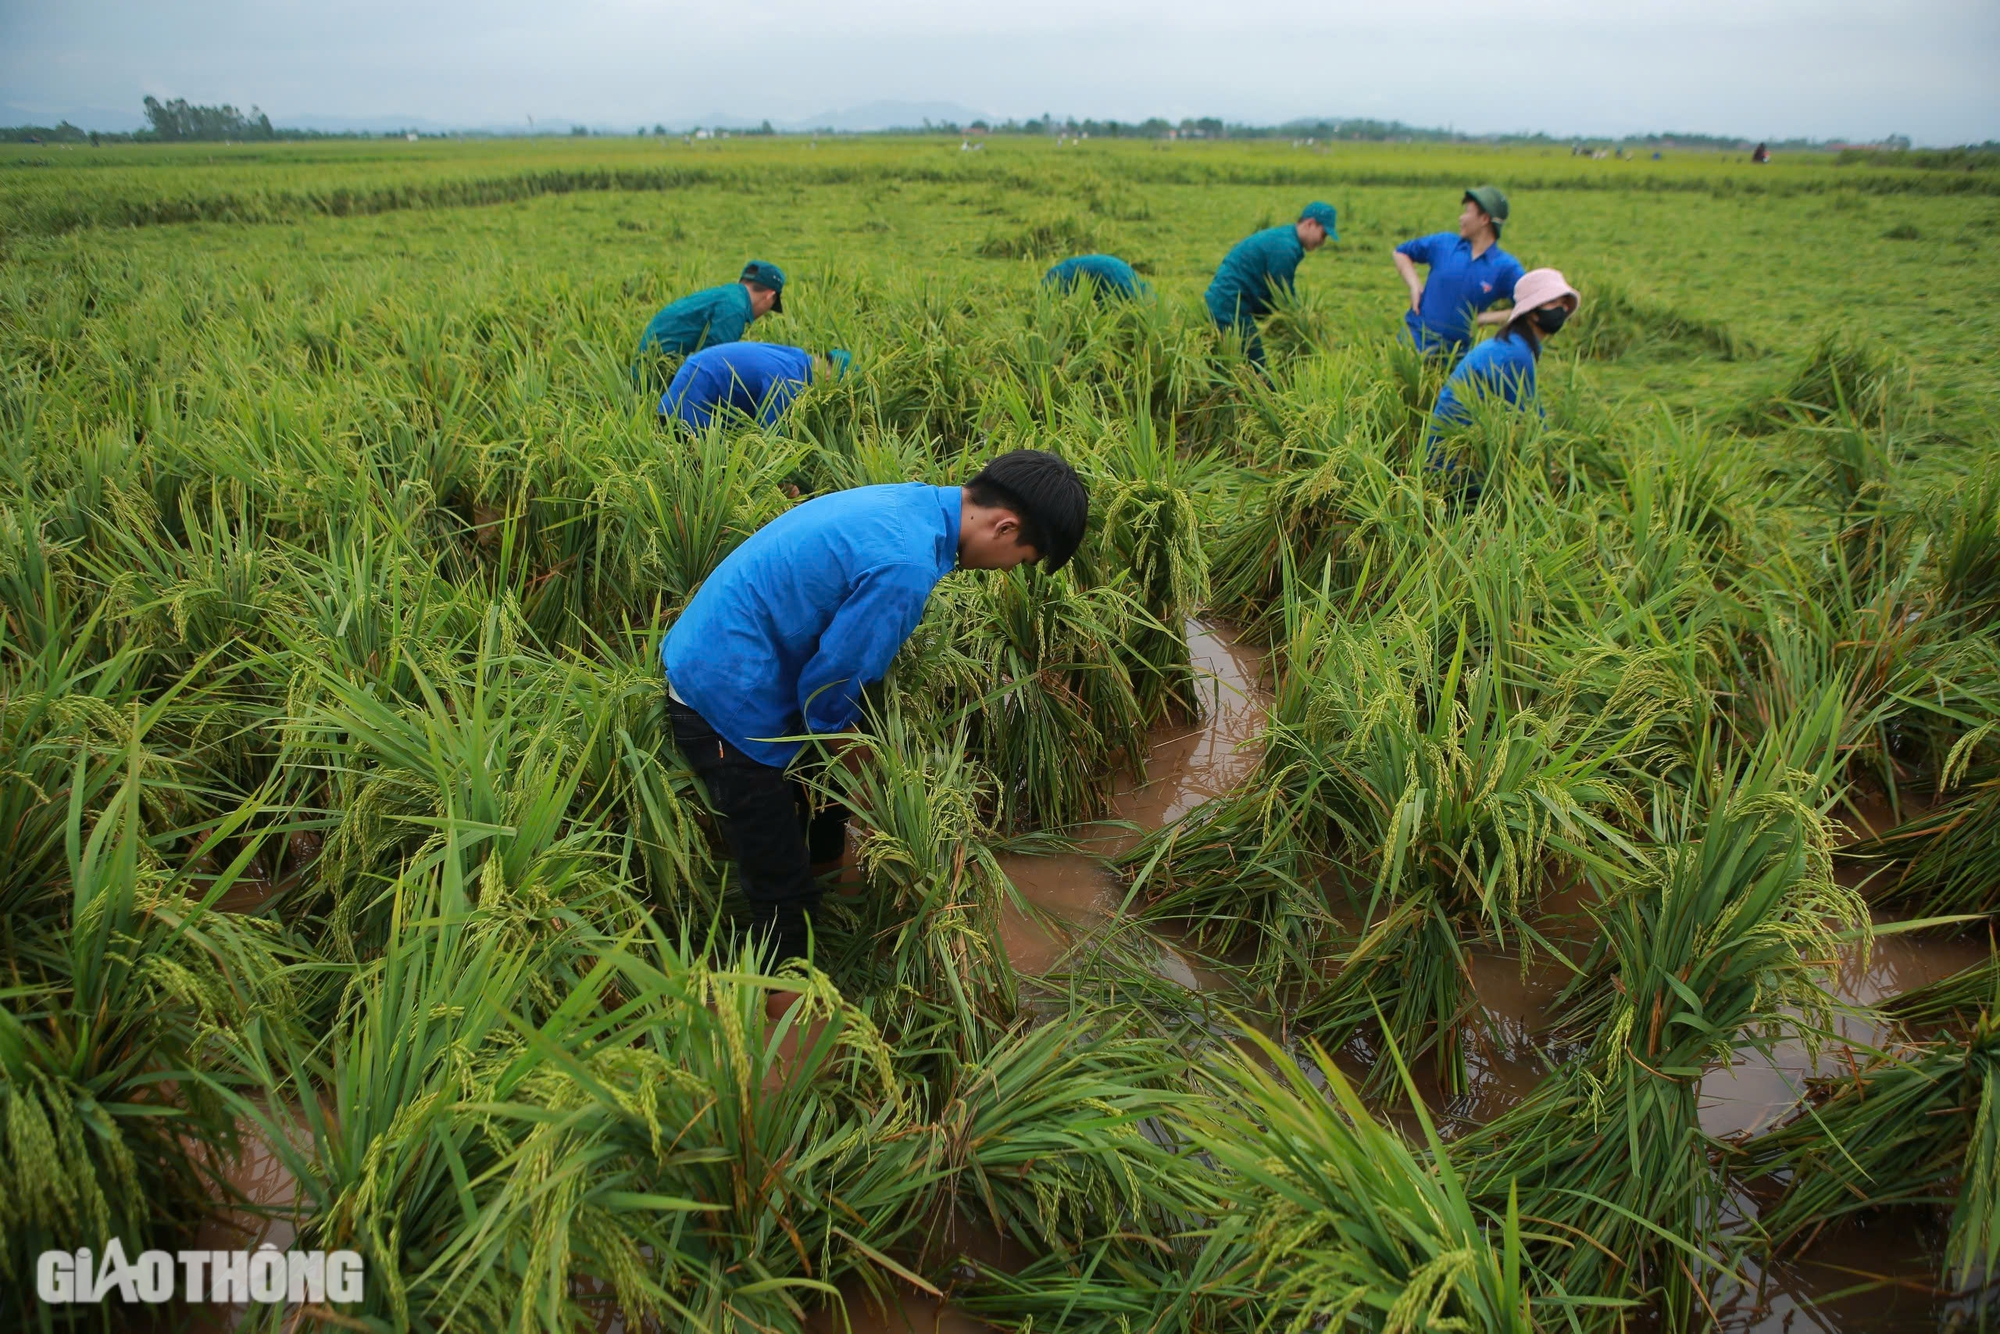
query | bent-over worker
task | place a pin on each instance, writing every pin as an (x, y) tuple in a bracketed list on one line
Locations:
[(1260, 268), (779, 641), (1110, 277), (758, 380), (716, 314)]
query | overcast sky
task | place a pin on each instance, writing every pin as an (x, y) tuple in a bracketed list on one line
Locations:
[(1764, 68)]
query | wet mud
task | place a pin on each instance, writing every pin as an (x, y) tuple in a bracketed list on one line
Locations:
[(1894, 1257), (1072, 895), (268, 1217)]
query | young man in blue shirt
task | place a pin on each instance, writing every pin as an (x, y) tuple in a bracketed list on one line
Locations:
[(779, 641), (755, 379), (1110, 277), (1468, 272), (716, 314), (1260, 268)]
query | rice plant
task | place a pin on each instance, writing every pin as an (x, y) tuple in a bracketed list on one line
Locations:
[(124, 1018), (1715, 942)]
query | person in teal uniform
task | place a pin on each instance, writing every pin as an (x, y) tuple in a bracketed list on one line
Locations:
[(1468, 272), (1259, 269), (716, 314), (1110, 278)]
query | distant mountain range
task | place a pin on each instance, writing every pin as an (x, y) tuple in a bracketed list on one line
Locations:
[(869, 116)]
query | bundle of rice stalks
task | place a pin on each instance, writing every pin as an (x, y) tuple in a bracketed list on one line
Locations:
[(118, 1033), (1040, 666), (1716, 941), (647, 1148), (1344, 525), (1328, 1219), (931, 916), (1151, 533), (543, 760), (1452, 809)]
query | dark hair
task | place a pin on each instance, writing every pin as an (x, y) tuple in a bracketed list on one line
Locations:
[(1044, 492), (1517, 328)]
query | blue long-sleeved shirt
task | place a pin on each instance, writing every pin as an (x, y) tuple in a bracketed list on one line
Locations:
[(1457, 288), (1253, 272), (1502, 366), (757, 379), (781, 638), (1109, 275), (702, 319)]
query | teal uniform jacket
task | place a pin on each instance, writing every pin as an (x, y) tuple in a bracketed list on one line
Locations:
[(1255, 269), (1108, 276), (717, 315)]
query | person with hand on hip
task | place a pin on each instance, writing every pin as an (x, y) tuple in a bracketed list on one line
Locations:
[(1468, 273)]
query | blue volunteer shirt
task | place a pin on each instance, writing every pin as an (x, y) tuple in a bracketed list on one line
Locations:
[(1253, 272), (756, 379), (780, 640), (1108, 274), (714, 315), (1457, 288), (1502, 367)]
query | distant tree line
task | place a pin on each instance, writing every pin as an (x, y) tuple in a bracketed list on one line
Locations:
[(179, 120)]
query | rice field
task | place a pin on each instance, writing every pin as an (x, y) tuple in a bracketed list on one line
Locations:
[(1325, 905)]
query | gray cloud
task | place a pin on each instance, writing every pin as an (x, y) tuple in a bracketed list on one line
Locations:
[(1756, 67)]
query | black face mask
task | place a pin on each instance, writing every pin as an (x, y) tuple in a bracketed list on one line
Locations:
[(1550, 319)]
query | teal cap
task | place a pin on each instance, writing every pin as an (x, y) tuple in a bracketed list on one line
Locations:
[(1491, 202), (842, 360), (766, 275), (1322, 214)]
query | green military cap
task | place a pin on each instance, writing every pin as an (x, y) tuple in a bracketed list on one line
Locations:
[(1491, 202), (1322, 214), (767, 275)]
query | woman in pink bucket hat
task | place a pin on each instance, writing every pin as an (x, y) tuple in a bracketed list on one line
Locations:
[(1504, 366)]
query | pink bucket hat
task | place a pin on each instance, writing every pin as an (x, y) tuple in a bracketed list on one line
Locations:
[(1538, 287)]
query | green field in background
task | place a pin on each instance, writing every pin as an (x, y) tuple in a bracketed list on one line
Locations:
[(1778, 254)]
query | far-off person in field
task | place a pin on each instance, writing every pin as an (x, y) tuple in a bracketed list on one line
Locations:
[(745, 380), (1108, 277), (1468, 272), (716, 314), (1258, 271)]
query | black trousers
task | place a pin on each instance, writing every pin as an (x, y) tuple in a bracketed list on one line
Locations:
[(770, 826)]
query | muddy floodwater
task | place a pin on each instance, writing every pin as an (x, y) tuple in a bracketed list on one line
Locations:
[(1073, 894)]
